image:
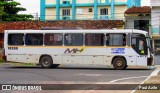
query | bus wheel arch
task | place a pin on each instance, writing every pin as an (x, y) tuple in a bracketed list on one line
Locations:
[(46, 61), (119, 62)]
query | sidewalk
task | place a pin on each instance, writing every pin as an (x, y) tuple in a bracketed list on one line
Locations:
[(153, 79)]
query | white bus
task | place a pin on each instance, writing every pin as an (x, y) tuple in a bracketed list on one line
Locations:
[(50, 48)]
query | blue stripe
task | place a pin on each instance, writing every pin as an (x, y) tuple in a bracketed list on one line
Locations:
[(42, 10), (57, 9), (112, 9), (95, 9), (86, 4), (73, 9), (106, 1)]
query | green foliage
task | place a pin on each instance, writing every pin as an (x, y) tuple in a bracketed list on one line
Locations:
[(9, 10)]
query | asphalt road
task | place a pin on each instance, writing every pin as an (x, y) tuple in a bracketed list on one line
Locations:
[(101, 75)]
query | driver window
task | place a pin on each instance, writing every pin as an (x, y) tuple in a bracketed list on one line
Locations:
[(141, 46)]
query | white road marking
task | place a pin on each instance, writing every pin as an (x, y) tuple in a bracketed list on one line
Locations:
[(127, 78), (154, 73)]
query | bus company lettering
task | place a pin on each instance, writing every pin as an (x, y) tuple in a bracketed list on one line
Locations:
[(12, 48), (117, 50), (74, 50)]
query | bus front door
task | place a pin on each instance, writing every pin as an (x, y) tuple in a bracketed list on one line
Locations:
[(141, 51)]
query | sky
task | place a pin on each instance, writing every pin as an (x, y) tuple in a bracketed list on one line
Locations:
[(33, 6)]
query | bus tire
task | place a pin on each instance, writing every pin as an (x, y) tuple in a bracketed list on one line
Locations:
[(46, 62), (119, 64)]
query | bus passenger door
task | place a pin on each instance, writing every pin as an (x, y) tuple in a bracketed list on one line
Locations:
[(141, 51)]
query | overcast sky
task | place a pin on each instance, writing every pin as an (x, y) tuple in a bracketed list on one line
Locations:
[(33, 6)]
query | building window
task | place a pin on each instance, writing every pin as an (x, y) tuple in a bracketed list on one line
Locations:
[(34, 39), (66, 12), (104, 11), (15, 39), (94, 39), (79, 11), (90, 10), (116, 39), (66, 2), (73, 39), (53, 39), (141, 25)]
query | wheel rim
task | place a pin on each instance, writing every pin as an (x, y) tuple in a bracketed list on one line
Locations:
[(119, 63), (45, 62)]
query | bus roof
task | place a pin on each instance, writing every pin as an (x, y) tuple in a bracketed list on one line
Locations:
[(78, 31)]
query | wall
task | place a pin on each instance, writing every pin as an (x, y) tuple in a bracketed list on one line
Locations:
[(155, 20), (120, 0), (51, 14), (119, 12), (84, 1), (50, 1), (85, 13)]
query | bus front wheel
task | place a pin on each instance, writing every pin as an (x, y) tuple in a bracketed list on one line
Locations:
[(46, 62), (119, 63)]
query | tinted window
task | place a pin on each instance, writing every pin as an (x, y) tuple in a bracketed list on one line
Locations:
[(66, 12), (34, 39), (116, 39), (53, 39), (134, 39), (94, 39), (104, 11), (74, 39), (15, 39), (128, 39)]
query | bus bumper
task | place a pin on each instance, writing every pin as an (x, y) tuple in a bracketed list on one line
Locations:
[(150, 61)]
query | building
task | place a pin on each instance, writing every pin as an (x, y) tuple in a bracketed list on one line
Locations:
[(85, 9), (138, 18), (155, 23)]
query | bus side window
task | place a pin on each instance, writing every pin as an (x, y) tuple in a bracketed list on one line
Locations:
[(124, 39), (95, 39), (107, 39), (116, 39), (53, 39), (15, 39), (34, 39), (73, 39), (134, 43)]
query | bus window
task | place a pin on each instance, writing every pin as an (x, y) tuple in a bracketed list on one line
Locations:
[(53, 39), (73, 39), (128, 39), (134, 43), (116, 39), (34, 39), (15, 39), (94, 39), (134, 40)]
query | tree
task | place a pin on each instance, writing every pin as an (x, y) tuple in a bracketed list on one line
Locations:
[(9, 11)]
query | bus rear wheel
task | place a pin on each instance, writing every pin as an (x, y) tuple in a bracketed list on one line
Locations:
[(46, 62), (119, 63)]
